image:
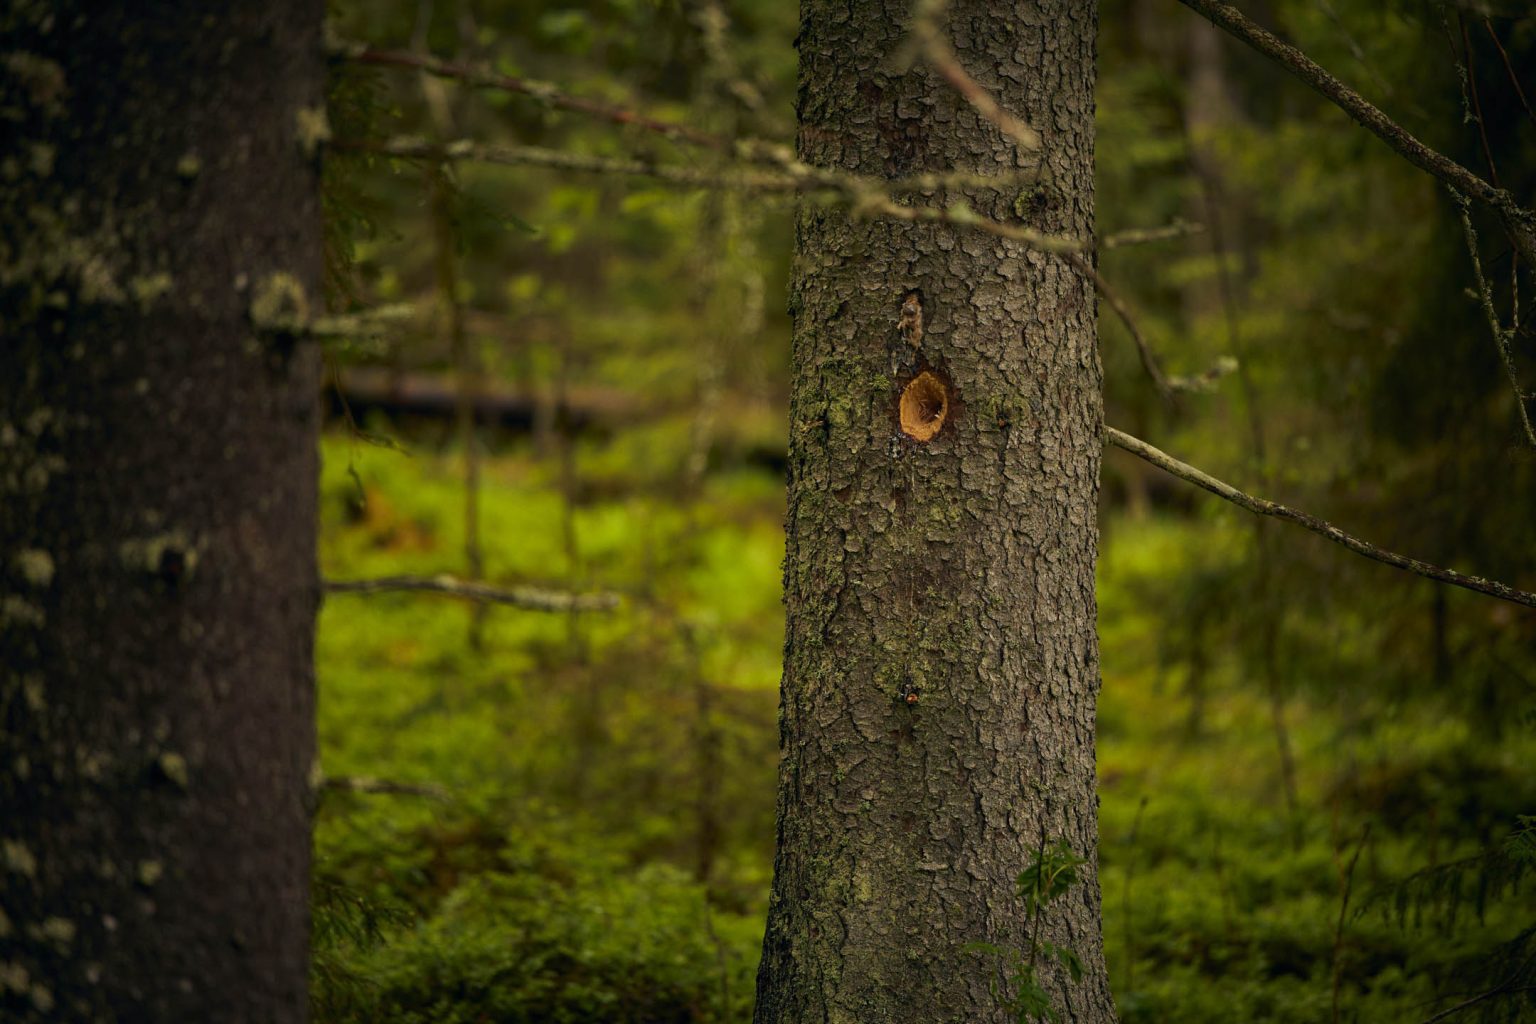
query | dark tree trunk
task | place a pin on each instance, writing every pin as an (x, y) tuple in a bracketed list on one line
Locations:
[(941, 662), (157, 508)]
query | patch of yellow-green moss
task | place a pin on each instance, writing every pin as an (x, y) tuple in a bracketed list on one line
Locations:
[(312, 128), (280, 303), (57, 930), (149, 554), (19, 613), (146, 288), (16, 857), (174, 767), (35, 566)]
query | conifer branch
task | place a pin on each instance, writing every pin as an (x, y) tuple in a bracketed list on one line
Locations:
[(1518, 222), (528, 598), (1263, 507)]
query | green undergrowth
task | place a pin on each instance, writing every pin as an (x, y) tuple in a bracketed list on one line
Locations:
[(574, 821)]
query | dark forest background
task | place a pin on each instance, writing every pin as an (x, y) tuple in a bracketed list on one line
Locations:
[(1313, 770)]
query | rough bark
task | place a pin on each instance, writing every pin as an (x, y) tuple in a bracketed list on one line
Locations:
[(941, 663), (158, 584)]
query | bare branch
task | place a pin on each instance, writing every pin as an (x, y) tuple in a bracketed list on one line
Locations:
[(866, 196), (1144, 236), (413, 148), (870, 204), (935, 48), (713, 26), (529, 598), (1085, 267), (363, 323), (1262, 507), (1517, 221), (1501, 336), (386, 787), (1507, 988), (544, 92)]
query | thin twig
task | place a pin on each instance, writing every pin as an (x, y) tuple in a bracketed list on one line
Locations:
[(415, 148), (362, 323), (1346, 885), (1354, 47), (1501, 990), (1517, 221), (872, 204), (1514, 79), (383, 787), (544, 92), (1262, 507), (935, 48), (1160, 380), (713, 25), (529, 598), (792, 176), (1501, 337), (1144, 236)]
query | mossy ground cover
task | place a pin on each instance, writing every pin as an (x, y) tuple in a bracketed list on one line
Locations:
[(601, 844)]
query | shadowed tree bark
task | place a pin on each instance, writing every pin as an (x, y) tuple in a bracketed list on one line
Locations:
[(941, 662), (159, 201)]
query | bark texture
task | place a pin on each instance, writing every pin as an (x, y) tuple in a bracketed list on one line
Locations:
[(158, 200), (941, 661)]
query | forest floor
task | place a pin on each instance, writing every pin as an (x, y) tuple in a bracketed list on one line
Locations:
[(581, 826)]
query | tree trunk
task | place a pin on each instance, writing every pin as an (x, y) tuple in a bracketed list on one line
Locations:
[(158, 586), (941, 663)]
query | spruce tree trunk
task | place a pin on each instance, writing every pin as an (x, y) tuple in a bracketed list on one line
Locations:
[(157, 508), (941, 663)]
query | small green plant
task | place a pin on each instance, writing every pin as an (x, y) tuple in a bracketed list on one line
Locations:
[(1049, 876)]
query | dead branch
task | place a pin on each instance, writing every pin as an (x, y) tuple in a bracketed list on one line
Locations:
[(934, 45), (873, 204), (1262, 507), (545, 92), (1519, 222), (1501, 335), (385, 787), (528, 598), (1145, 236), (1085, 266)]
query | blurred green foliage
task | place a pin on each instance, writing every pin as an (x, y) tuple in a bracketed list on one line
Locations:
[(602, 848)]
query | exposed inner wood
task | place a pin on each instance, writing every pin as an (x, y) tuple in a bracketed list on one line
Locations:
[(924, 406)]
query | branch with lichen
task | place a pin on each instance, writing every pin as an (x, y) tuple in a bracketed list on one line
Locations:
[(713, 25), (1146, 236), (1263, 507), (1502, 336), (528, 598)]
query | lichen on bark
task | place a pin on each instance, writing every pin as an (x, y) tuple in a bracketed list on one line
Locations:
[(157, 510)]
